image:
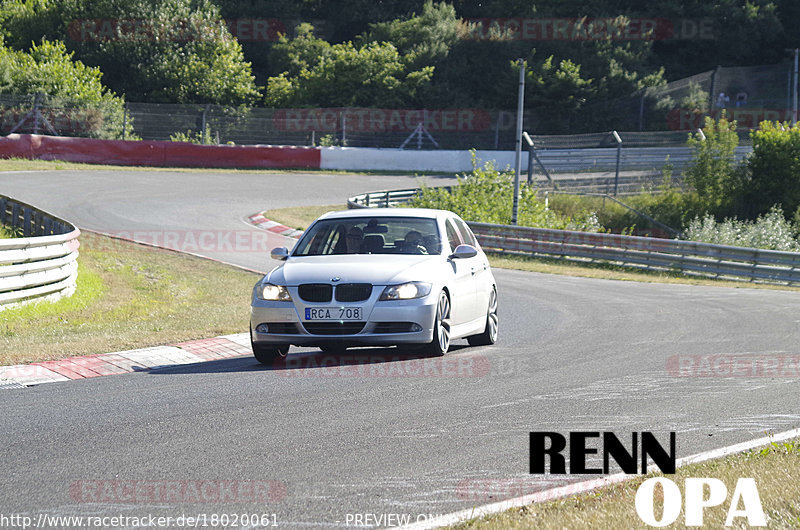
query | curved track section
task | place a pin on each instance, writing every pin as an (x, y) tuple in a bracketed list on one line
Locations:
[(377, 433)]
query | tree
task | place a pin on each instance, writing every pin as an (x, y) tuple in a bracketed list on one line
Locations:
[(73, 91), (774, 169), (343, 75), (170, 51), (424, 39), (712, 172)]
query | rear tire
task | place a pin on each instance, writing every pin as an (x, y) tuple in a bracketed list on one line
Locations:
[(489, 335), (441, 328)]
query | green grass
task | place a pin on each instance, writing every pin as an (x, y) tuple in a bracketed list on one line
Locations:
[(24, 164), (129, 296), (300, 217), (774, 467)]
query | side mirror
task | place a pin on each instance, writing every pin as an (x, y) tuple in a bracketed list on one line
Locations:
[(280, 253), (464, 252)]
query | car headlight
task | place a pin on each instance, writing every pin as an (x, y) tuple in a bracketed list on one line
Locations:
[(269, 291), (406, 291)]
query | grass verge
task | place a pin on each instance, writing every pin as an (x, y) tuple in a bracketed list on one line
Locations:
[(24, 164), (129, 296), (300, 217), (774, 467)]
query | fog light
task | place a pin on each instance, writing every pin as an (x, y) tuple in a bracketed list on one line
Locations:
[(416, 327), (262, 328)]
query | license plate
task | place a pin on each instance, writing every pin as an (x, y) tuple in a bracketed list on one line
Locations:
[(333, 313)]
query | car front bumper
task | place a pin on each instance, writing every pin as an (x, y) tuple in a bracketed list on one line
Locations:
[(378, 317)]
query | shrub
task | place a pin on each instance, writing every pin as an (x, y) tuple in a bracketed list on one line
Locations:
[(774, 169), (769, 231), (486, 196), (75, 100), (712, 172), (192, 137)]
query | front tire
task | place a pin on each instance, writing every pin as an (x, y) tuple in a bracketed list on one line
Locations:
[(269, 354), (441, 328), (489, 335)]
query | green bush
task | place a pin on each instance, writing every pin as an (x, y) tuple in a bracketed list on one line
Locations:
[(774, 169), (769, 231), (49, 69), (668, 204), (712, 172), (486, 196), (342, 75), (192, 137), (166, 51)]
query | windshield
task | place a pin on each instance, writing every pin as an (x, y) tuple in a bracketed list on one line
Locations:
[(370, 235)]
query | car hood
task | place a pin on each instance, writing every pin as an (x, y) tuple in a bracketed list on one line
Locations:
[(377, 269)]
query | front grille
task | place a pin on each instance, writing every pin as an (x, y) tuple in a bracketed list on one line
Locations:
[(393, 327), (282, 328), (334, 328), (315, 292), (353, 292)]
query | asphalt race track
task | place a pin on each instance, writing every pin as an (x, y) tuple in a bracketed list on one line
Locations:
[(384, 434)]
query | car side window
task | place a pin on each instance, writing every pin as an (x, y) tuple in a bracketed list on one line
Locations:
[(453, 237), (466, 234)]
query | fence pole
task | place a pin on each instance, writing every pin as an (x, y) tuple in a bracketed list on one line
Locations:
[(794, 89), (124, 119), (203, 124), (36, 102), (641, 110), (518, 157), (619, 155)]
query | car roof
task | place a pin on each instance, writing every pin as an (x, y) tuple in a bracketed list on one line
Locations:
[(423, 213)]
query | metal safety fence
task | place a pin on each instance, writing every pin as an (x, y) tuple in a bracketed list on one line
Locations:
[(671, 255), (42, 263)]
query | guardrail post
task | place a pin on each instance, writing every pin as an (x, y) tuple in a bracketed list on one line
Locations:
[(386, 203), (14, 215), (26, 222)]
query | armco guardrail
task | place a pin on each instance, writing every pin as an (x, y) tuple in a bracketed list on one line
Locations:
[(605, 159), (384, 199), (41, 264), (689, 257)]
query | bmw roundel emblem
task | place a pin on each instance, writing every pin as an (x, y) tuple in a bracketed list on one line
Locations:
[(335, 279)]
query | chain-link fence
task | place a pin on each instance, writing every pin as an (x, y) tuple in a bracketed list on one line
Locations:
[(652, 117)]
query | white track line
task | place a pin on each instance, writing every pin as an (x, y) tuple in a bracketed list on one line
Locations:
[(582, 487)]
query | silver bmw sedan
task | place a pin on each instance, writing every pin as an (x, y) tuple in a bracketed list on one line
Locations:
[(399, 276)]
